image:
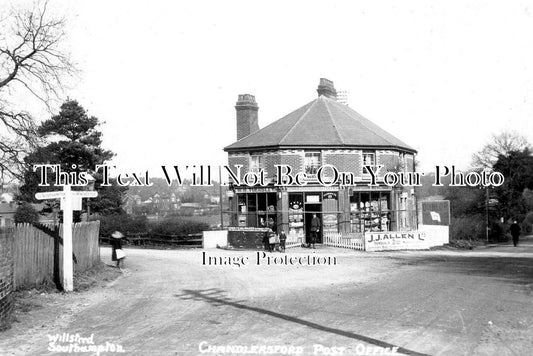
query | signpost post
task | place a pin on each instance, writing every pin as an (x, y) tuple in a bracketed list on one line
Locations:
[(70, 201)]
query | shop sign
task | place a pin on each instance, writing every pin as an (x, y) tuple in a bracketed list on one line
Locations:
[(312, 198), (313, 189), (247, 229), (395, 240), (330, 196), (364, 188), (257, 190)]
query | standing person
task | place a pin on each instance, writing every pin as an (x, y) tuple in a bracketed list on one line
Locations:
[(271, 224), (315, 229), (282, 239), (272, 238), (266, 240), (117, 253), (515, 232)]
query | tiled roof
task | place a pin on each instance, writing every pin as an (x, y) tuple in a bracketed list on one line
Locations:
[(322, 123)]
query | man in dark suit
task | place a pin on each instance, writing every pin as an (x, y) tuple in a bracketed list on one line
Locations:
[(515, 232), (315, 229)]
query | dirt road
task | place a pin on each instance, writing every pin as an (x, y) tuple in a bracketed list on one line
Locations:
[(424, 303)]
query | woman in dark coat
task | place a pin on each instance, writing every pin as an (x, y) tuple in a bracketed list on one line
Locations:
[(116, 244)]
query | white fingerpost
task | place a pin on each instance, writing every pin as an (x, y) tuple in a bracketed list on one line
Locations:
[(68, 198), (68, 270)]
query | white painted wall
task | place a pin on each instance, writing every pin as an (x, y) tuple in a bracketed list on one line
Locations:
[(438, 235), (425, 237), (214, 238)]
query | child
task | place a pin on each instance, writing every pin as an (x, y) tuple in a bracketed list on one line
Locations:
[(117, 253), (271, 240)]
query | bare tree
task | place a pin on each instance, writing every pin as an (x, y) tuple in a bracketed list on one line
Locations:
[(501, 144), (32, 63)]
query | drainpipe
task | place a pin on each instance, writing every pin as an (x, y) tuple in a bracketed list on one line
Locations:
[(414, 195)]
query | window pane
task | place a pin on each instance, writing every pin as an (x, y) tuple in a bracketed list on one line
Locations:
[(261, 202), (369, 159), (312, 162), (271, 201), (256, 163), (252, 202), (252, 210)]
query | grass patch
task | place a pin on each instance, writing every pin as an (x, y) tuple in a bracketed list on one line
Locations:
[(97, 276)]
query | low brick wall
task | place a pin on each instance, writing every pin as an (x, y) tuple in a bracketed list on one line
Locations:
[(6, 277), (247, 238)]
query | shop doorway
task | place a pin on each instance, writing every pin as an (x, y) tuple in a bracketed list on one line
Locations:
[(311, 209)]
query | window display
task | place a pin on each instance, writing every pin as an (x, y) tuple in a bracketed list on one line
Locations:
[(296, 216), (330, 216), (370, 212), (257, 210)]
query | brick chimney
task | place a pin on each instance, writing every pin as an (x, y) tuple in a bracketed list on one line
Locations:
[(247, 122), (327, 89)]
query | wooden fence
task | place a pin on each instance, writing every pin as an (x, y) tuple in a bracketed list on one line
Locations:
[(352, 241), (146, 239), (34, 248)]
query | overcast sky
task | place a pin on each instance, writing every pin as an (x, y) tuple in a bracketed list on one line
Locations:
[(164, 75)]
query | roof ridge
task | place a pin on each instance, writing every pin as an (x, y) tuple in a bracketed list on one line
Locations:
[(366, 126), (298, 121), (334, 123)]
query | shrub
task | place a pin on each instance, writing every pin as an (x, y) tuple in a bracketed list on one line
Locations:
[(498, 231), (26, 213), (177, 226), (470, 227), (122, 222), (527, 224)]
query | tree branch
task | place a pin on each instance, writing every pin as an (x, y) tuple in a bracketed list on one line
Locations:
[(32, 60)]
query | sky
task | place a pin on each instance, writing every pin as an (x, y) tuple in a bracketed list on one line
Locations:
[(164, 76)]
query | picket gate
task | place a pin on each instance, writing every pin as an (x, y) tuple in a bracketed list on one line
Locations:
[(352, 241)]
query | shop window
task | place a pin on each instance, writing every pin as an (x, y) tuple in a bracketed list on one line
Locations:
[(257, 210), (252, 210), (271, 214), (369, 159), (296, 216), (256, 163), (330, 216), (242, 218), (370, 211), (261, 210), (262, 203), (312, 162), (271, 203)]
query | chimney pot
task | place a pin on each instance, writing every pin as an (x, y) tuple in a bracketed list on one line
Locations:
[(326, 88)]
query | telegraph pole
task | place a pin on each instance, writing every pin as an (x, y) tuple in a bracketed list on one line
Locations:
[(220, 196), (487, 213)]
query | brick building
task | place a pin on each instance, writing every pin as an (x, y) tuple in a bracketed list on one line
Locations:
[(322, 132)]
